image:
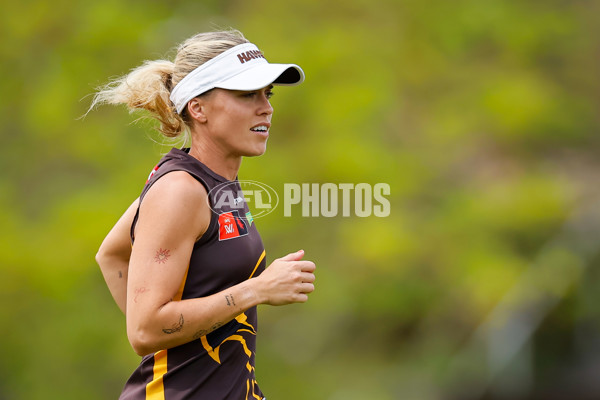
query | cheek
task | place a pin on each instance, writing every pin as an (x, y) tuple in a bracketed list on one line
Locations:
[(229, 116), (235, 117)]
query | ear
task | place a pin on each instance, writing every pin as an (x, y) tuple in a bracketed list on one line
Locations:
[(196, 110)]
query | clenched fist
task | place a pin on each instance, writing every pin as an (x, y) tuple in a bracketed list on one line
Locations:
[(287, 280)]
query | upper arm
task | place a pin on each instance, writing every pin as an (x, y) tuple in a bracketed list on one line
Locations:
[(173, 215)]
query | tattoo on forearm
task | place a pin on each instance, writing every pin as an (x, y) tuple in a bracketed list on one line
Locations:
[(200, 333), (204, 332), (120, 274), (176, 327), (230, 300), (162, 256), (139, 291)]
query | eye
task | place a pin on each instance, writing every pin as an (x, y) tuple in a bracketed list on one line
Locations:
[(268, 94)]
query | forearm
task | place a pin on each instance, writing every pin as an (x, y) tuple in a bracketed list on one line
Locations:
[(114, 270), (179, 322), (114, 254)]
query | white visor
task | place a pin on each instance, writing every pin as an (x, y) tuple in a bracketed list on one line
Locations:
[(242, 67)]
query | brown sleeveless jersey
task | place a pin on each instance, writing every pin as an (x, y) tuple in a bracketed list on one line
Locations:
[(219, 365)]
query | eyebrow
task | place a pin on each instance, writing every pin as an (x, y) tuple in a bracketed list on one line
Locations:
[(270, 87)]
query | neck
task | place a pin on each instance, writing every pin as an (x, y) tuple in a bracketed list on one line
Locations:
[(213, 157)]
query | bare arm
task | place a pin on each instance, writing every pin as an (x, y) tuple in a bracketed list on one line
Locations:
[(165, 235), (113, 256)]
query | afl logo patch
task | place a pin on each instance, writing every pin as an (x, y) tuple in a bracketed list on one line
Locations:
[(231, 225)]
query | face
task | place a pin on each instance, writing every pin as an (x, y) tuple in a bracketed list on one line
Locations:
[(237, 122)]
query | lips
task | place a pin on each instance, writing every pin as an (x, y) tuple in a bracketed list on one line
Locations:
[(261, 128)]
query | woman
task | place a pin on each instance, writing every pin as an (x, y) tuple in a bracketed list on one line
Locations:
[(188, 286)]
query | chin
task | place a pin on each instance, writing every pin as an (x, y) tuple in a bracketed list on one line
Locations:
[(256, 152)]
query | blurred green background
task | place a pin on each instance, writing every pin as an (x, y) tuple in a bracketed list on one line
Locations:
[(482, 116)]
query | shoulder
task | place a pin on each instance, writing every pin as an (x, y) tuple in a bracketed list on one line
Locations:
[(177, 186), (177, 198)]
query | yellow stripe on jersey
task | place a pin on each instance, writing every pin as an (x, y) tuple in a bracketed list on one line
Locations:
[(155, 390), (179, 293), (258, 263)]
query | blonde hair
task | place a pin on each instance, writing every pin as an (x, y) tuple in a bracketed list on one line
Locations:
[(149, 86)]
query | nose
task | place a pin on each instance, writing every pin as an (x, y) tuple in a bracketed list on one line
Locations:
[(265, 107)]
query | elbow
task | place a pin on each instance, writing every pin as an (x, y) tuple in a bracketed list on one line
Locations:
[(110, 262), (99, 257), (102, 256), (143, 329), (141, 349), (141, 342), (104, 262)]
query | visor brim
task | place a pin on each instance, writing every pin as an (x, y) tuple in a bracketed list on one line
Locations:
[(264, 75)]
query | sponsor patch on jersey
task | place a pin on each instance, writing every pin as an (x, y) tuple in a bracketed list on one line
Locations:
[(231, 225)]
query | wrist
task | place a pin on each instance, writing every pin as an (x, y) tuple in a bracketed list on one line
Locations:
[(253, 289)]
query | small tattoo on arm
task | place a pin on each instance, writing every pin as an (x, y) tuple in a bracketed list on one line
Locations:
[(204, 332), (176, 327), (230, 300), (139, 291), (200, 333), (120, 274), (162, 256)]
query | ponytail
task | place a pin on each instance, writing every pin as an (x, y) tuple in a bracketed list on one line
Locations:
[(146, 87)]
